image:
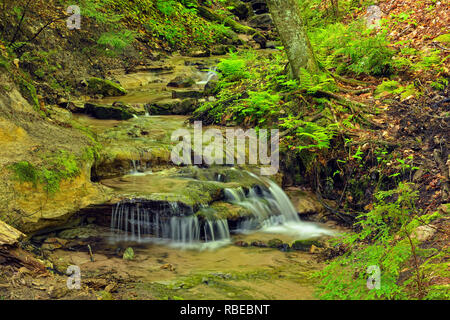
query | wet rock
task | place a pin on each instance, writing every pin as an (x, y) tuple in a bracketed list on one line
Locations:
[(107, 112), (82, 232), (72, 106), (199, 53), (259, 6), (172, 106), (315, 249), (241, 244), (181, 94), (128, 254), (104, 87), (51, 244), (137, 109), (262, 21), (225, 210), (305, 245), (305, 202), (222, 49), (168, 266), (240, 10), (181, 82), (260, 39), (275, 243), (59, 114), (259, 244)]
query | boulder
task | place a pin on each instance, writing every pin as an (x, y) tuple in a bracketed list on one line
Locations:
[(240, 10), (259, 244), (172, 106), (260, 39), (305, 245), (262, 21), (259, 6), (100, 111), (241, 244), (181, 94), (222, 49), (275, 243), (199, 53), (304, 202), (373, 17), (181, 82), (104, 87), (424, 233)]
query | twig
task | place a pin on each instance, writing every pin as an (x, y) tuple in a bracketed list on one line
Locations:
[(90, 253)]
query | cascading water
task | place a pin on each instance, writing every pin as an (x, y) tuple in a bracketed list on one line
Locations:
[(272, 211), (212, 73), (168, 222)]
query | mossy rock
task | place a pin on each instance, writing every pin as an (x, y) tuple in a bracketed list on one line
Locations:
[(224, 210), (172, 106), (305, 245), (128, 254), (105, 295), (107, 112), (275, 243), (105, 87)]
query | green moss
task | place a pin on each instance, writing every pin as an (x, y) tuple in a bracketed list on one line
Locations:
[(275, 243), (128, 254), (305, 245), (63, 166), (25, 172), (29, 92), (105, 87), (444, 38)]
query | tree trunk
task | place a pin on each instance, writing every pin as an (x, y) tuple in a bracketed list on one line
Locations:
[(287, 19)]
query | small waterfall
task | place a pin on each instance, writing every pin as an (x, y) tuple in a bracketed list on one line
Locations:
[(272, 211), (212, 73), (134, 164), (137, 221)]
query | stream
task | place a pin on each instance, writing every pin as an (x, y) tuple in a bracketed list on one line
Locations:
[(196, 232)]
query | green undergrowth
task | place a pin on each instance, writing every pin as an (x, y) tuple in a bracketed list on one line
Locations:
[(56, 167), (169, 21), (385, 259)]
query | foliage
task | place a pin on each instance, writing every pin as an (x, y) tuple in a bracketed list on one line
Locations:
[(233, 68), (308, 135), (117, 41), (352, 48), (395, 88), (387, 240)]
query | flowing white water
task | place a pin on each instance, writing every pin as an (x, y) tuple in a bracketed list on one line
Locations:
[(208, 76), (131, 220), (273, 212)]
